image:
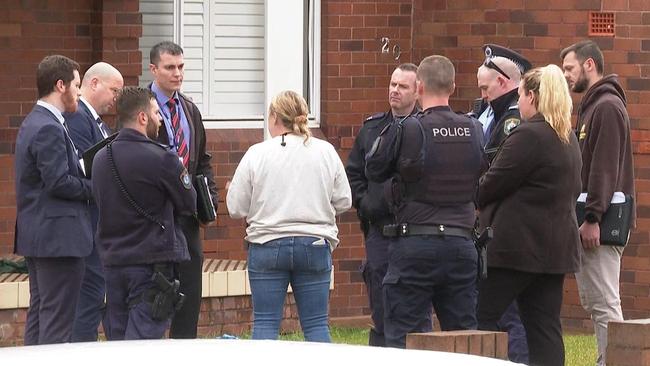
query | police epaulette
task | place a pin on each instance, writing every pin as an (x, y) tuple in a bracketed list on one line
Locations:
[(375, 116)]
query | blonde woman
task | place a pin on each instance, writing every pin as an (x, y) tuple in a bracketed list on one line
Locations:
[(290, 188), (528, 197)]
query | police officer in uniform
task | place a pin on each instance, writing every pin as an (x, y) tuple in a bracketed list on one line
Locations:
[(141, 189), (433, 162), (368, 196), (498, 79)]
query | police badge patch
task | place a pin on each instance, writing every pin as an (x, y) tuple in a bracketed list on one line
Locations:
[(510, 125), (185, 179)]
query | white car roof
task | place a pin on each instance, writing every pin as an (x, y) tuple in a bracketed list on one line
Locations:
[(231, 352)]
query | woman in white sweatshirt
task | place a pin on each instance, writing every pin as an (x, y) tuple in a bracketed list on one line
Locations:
[(290, 188)]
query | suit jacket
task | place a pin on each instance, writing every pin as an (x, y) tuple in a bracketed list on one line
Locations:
[(52, 195), (84, 132), (528, 196), (83, 128), (199, 162)]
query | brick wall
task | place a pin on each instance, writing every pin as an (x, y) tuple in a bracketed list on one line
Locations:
[(539, 29), (219, 315), (354, 78), (84, 30), (354, 82)]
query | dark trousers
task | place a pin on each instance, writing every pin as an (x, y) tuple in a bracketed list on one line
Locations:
[(190, 275), (517, 344), (374, 271), (127, 315), (539, 297), (54, 285), (90, 307), (429, 270)]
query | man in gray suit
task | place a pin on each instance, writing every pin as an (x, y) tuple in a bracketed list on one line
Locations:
[(53, 229)]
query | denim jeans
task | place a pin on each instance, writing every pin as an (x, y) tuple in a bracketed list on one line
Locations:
[(304, 262)]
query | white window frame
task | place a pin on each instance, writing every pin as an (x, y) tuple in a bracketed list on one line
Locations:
[(287, 56)]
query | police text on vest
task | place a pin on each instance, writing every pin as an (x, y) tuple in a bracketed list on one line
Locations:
[(451, 131)]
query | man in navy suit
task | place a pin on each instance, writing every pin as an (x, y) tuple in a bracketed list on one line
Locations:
[(99, 88), (53, 229), (182, 129)]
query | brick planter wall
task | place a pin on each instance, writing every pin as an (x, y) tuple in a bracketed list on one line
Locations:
[(219, 315)]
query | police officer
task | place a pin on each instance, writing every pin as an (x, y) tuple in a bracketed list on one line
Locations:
[(433, 162), (368, 196), (141, 188), (498, 79)]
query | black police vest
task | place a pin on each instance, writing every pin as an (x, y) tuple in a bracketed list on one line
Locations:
[(450, 159)]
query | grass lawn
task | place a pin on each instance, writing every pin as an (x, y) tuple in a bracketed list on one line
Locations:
[(580, 349)]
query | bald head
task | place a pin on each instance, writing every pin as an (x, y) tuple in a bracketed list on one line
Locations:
[(492, 83), (100, 86)]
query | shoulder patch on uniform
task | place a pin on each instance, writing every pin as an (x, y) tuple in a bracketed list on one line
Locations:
[(375, 116), (510, 124), (185, 179)]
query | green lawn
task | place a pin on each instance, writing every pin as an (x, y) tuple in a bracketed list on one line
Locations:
[(580, 349)]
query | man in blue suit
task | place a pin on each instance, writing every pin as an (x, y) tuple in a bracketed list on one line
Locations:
[(99, 88), (53, 229)]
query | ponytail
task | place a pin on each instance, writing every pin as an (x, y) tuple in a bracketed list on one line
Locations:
[(552, 98), (292, 110)]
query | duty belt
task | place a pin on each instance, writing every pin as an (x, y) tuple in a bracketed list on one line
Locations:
[(439, 230)]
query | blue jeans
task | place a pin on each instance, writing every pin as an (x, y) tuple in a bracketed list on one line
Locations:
[(304, 262)]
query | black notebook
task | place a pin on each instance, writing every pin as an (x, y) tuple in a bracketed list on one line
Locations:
[(204, 205), (615, 225), (89, 154)]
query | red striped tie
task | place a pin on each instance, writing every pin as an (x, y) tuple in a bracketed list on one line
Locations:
[(179, 136)]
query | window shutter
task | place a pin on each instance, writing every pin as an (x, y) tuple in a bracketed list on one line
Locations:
[(237, 59)]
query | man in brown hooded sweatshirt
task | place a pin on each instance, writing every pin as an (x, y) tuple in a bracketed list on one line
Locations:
[(604, 135)]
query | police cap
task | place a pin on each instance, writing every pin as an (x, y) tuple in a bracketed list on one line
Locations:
[(493, 50)]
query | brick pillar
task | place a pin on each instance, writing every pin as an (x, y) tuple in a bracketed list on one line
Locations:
[(628, 343)]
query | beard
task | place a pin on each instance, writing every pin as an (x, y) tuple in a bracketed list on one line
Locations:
[(69, 101), (152, 129), (582, 83)]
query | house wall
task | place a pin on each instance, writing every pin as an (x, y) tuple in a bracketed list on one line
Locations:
[(354, 80)]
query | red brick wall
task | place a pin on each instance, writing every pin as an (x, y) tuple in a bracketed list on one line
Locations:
[(354, 79), (354, 85), (84, 30), (539, 29), (219, 315)]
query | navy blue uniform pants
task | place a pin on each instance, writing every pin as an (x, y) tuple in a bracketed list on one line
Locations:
[(517, 344), (54, 285), (539, 296), (429, 270), (90, 307), (374, 271), (128, 317), (190, 273)]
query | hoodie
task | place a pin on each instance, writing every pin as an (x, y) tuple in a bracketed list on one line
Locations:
[(604, 137)]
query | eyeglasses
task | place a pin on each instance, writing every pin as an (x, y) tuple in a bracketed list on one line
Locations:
[(489, 64)]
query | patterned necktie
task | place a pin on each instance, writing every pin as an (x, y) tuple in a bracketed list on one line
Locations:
[(179, 136)]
